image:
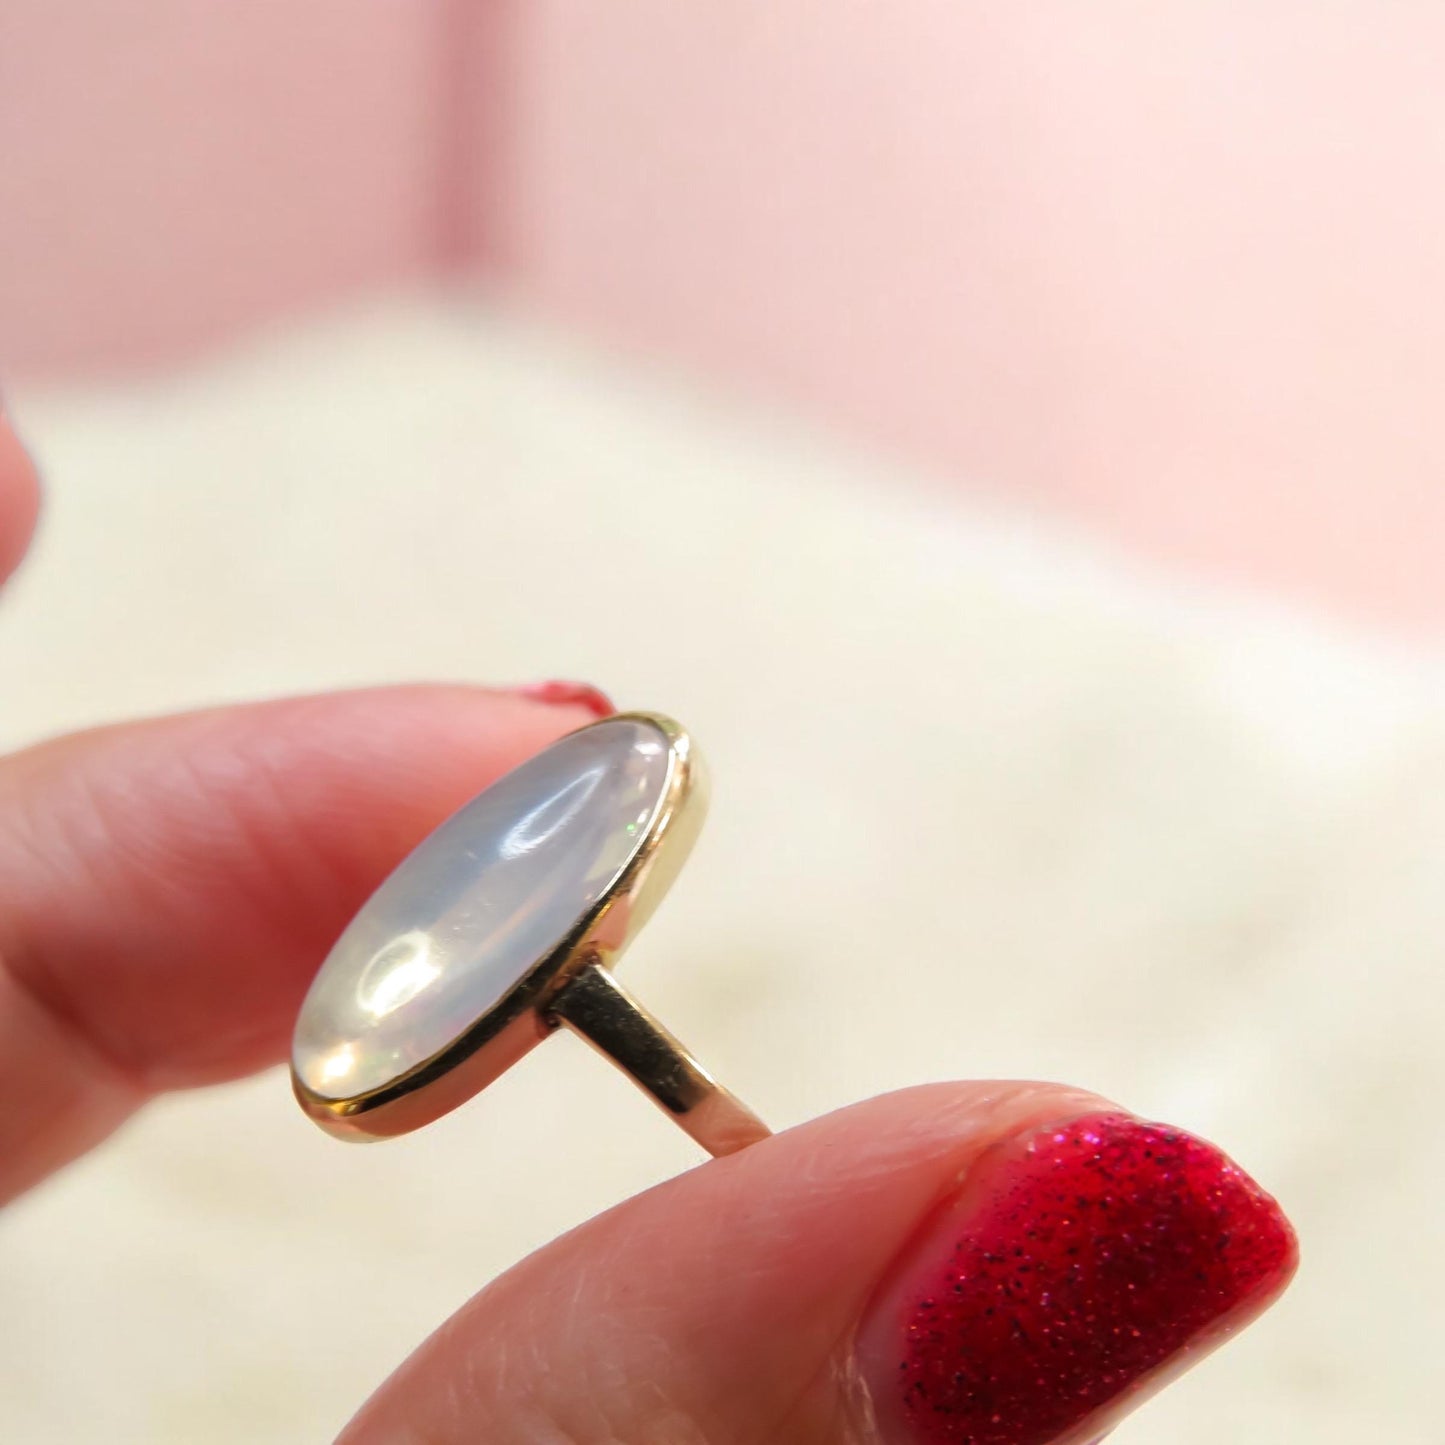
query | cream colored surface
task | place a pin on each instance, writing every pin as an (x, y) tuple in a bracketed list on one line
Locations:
[(1184, 851)]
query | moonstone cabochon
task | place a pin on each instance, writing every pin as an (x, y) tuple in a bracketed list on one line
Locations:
[(482, 900)]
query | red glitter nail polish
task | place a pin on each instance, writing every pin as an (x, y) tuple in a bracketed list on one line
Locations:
[(570, 694), (1090, 1262)]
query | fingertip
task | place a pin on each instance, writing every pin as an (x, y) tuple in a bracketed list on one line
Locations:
[(810, 1279), (564, 693), (1074, 1270), (19, 499)]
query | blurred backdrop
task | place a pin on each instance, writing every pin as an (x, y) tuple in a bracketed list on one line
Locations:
[(1009, 437)]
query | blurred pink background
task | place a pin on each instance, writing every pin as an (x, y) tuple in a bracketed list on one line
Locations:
[(1175, 271)]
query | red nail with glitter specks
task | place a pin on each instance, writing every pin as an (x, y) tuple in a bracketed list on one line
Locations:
[(1076, 1270), (569, 694)]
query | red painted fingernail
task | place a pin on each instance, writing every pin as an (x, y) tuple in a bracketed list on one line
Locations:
[(570, 694), (1078, 1269)]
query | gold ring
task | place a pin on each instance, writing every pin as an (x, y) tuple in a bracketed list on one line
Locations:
[(505, 923)]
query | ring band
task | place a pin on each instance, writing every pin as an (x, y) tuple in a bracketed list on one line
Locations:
[(597, 1007), (503, 925)]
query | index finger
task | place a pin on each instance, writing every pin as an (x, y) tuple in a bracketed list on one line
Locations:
[(168, 888)]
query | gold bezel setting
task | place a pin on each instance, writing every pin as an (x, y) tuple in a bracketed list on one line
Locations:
[(596, 1007)]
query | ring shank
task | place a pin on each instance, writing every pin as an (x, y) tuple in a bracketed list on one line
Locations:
[(594, 1005)]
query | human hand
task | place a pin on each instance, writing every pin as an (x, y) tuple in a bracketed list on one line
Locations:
[(997, 1264)]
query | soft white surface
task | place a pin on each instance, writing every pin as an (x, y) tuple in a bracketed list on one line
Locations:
[(983, 805)]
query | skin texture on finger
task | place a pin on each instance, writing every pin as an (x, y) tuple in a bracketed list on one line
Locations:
[(19, 500), (727, 1306), (168, 888)]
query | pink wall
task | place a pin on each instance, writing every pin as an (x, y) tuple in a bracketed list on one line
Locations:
[(171, 168), (1176, 268), (1179, 267)]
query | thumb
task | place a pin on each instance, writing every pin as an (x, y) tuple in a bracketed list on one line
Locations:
[(984, 1264)]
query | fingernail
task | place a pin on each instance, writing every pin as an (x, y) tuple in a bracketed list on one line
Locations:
[(1076, 1270), (569, 694)]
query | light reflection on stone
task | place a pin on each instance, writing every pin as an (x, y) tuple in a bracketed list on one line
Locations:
[(550, 816), (339, 1065), (397, 974)]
